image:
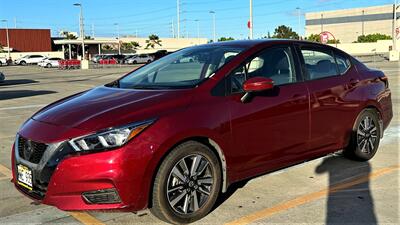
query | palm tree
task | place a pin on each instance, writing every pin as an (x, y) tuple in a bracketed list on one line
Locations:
[(152, 41), (135, 45)]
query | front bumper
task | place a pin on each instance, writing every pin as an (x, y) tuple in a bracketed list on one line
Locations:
[(61, 181)]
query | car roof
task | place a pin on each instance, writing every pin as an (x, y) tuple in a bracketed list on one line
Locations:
[(252, 43)]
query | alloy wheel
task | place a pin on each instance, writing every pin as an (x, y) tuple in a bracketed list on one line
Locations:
[(189, 184), (367, 135)]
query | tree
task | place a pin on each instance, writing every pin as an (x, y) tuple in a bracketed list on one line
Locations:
[(106, 47), (135, 45), (316, 38), (226, 39), (372, 38), (68, 35), (152, 41), (285, 32), (126, 46)]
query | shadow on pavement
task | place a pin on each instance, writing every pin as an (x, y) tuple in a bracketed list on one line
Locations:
[(4, 95), (353, 205), (17, 82)]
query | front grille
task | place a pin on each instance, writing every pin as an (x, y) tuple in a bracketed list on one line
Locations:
[(30, 150)]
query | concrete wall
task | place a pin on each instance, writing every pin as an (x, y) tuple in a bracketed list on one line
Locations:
[(16, 55), (348, 24), (380, 47)]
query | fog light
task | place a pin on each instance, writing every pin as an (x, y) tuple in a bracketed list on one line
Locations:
[(105, 196)]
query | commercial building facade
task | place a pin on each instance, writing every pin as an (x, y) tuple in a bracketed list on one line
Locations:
[(26, 40), (346, 25)]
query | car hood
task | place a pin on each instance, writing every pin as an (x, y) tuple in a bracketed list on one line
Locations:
[(104, 107)]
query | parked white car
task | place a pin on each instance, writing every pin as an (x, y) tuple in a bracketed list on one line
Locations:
[(3, 61), (142, 58), (29, 59), (49, 62)]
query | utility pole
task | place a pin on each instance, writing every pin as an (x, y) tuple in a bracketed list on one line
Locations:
[(251, 20), (214, 29), (92, 30), (82, 32), (15, 22), (322, 23), (362, 23), (298, 20), (178, 18), (198, 30), (119, 41), (8, 38), (172, 28)]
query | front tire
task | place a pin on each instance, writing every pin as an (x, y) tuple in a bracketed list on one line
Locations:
[(365, 138), (187, 184)]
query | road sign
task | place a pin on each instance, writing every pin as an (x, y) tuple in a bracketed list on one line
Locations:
[(324, 37)]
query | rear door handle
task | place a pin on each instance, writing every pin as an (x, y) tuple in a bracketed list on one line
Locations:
[(354, 82)]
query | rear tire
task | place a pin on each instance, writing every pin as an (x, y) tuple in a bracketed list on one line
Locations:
[(48, 65), (187, 184), (365, 137), (23, 63)]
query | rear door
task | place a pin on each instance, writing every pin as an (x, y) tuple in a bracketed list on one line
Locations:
[(272, 129), (331, 81)]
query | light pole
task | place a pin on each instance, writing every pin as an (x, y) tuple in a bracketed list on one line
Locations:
[(81, 27), (178, 18), (119, 41), (198, 30), (8, 38), (214, 35), (298, 20), (251, 20)]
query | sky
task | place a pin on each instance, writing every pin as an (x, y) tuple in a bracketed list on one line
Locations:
[(145, 17)]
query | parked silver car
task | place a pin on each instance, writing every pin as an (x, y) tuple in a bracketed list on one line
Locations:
[(142, 58), (49, 62)]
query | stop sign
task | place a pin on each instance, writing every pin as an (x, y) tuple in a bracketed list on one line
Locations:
[(248, 24)]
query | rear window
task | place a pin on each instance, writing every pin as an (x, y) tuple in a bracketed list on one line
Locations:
[(343, 63), (319, 64)]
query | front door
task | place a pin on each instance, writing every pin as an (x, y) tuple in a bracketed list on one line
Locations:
[(272, 128)]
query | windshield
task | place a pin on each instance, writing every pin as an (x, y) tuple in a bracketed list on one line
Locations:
[(184, 68)]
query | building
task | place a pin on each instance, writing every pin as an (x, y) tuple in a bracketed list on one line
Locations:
[(346, 25), (26, 40)]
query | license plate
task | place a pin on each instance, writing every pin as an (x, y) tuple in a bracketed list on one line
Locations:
[(24, 176)]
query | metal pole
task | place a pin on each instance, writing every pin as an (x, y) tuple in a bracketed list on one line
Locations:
[(394, 26), (82, 30), (214, 29), (322, 23), (8, 38), (119, 41), (198, 30), (251, 20), (178, 12), (298, 21), (15, 22), (362, 23), (93, 31)]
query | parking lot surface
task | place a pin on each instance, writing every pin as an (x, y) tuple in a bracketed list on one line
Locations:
[(329, 190)]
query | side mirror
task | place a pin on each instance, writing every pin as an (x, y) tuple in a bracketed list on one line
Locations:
[(257, 84)]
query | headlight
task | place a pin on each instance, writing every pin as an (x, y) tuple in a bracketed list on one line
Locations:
[(109, 138)]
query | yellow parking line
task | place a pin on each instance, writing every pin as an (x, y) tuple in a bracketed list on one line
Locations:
[(5, 171), (85, 218), (262, 214)]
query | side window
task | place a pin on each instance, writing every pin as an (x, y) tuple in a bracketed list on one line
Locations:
[(343, 63), (319, 64), (275, 63)]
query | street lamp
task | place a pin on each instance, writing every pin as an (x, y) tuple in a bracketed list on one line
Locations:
[(119, 42), (198, 30), (298, 20), (214, 35), (8, 38), (81, 28)]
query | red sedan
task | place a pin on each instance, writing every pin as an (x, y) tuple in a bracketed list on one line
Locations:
[(172, 135)]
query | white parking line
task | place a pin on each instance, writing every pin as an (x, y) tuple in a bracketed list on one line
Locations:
[(22, 107)]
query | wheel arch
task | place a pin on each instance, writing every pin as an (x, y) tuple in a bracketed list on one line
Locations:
[(209, 142)]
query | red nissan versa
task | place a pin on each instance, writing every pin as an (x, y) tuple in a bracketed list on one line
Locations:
[(172, 135)]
